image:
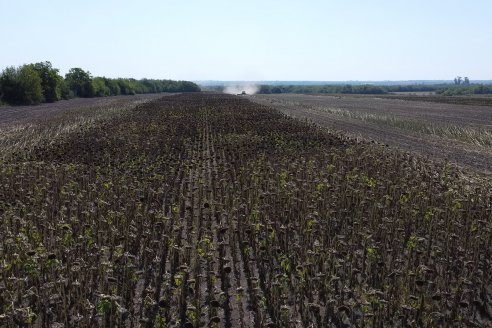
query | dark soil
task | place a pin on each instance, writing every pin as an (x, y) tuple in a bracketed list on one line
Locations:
[(307, 107)]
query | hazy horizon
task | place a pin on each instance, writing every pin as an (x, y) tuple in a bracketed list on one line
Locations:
[(380, 40), (256, 84)]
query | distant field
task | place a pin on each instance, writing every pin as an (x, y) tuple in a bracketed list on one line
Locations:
[(19, 114), (476, 100), (426, 125), (22, 128)]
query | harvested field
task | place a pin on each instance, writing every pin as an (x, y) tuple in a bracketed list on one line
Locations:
[(454, 100), (21, 114), (461, 134), (22, 128), (209, 210)]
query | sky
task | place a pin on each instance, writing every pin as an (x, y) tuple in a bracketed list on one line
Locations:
[(253, 40)]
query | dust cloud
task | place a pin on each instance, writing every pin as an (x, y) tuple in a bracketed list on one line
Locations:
[(250, 89)]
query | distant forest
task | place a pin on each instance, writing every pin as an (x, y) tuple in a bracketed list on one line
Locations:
[(40, 82), (441, 89), (306, 87)]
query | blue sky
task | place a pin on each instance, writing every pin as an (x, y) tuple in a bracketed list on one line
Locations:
[(253, 40)]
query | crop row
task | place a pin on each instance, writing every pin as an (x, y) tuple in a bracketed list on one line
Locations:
[(208, 210)]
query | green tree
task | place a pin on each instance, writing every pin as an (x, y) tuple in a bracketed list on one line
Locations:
[(80, 82), (65, 91), (100, 88), (187, 86), (51, 81), (112, 85), (126, 87), (21, 86)]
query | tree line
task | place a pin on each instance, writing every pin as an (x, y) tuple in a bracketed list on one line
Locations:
[(466, 90), (31, 84), (347, 89), (460, 81), (463, 88)]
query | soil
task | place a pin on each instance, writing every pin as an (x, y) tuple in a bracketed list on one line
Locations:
[(465, 155), (456, 100), (27, 114)]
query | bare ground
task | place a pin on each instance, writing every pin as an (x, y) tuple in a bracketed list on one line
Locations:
[(345, 114), (28, 114)]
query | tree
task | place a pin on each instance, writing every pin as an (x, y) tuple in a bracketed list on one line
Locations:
[(347, 89), (466, 81), (457, 80), (100, 88), (80, 82), (113, 86), (187, 86), (8, 84), (21, 86), (65, 91), (126, 87), (51, 81), (276, 90)]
